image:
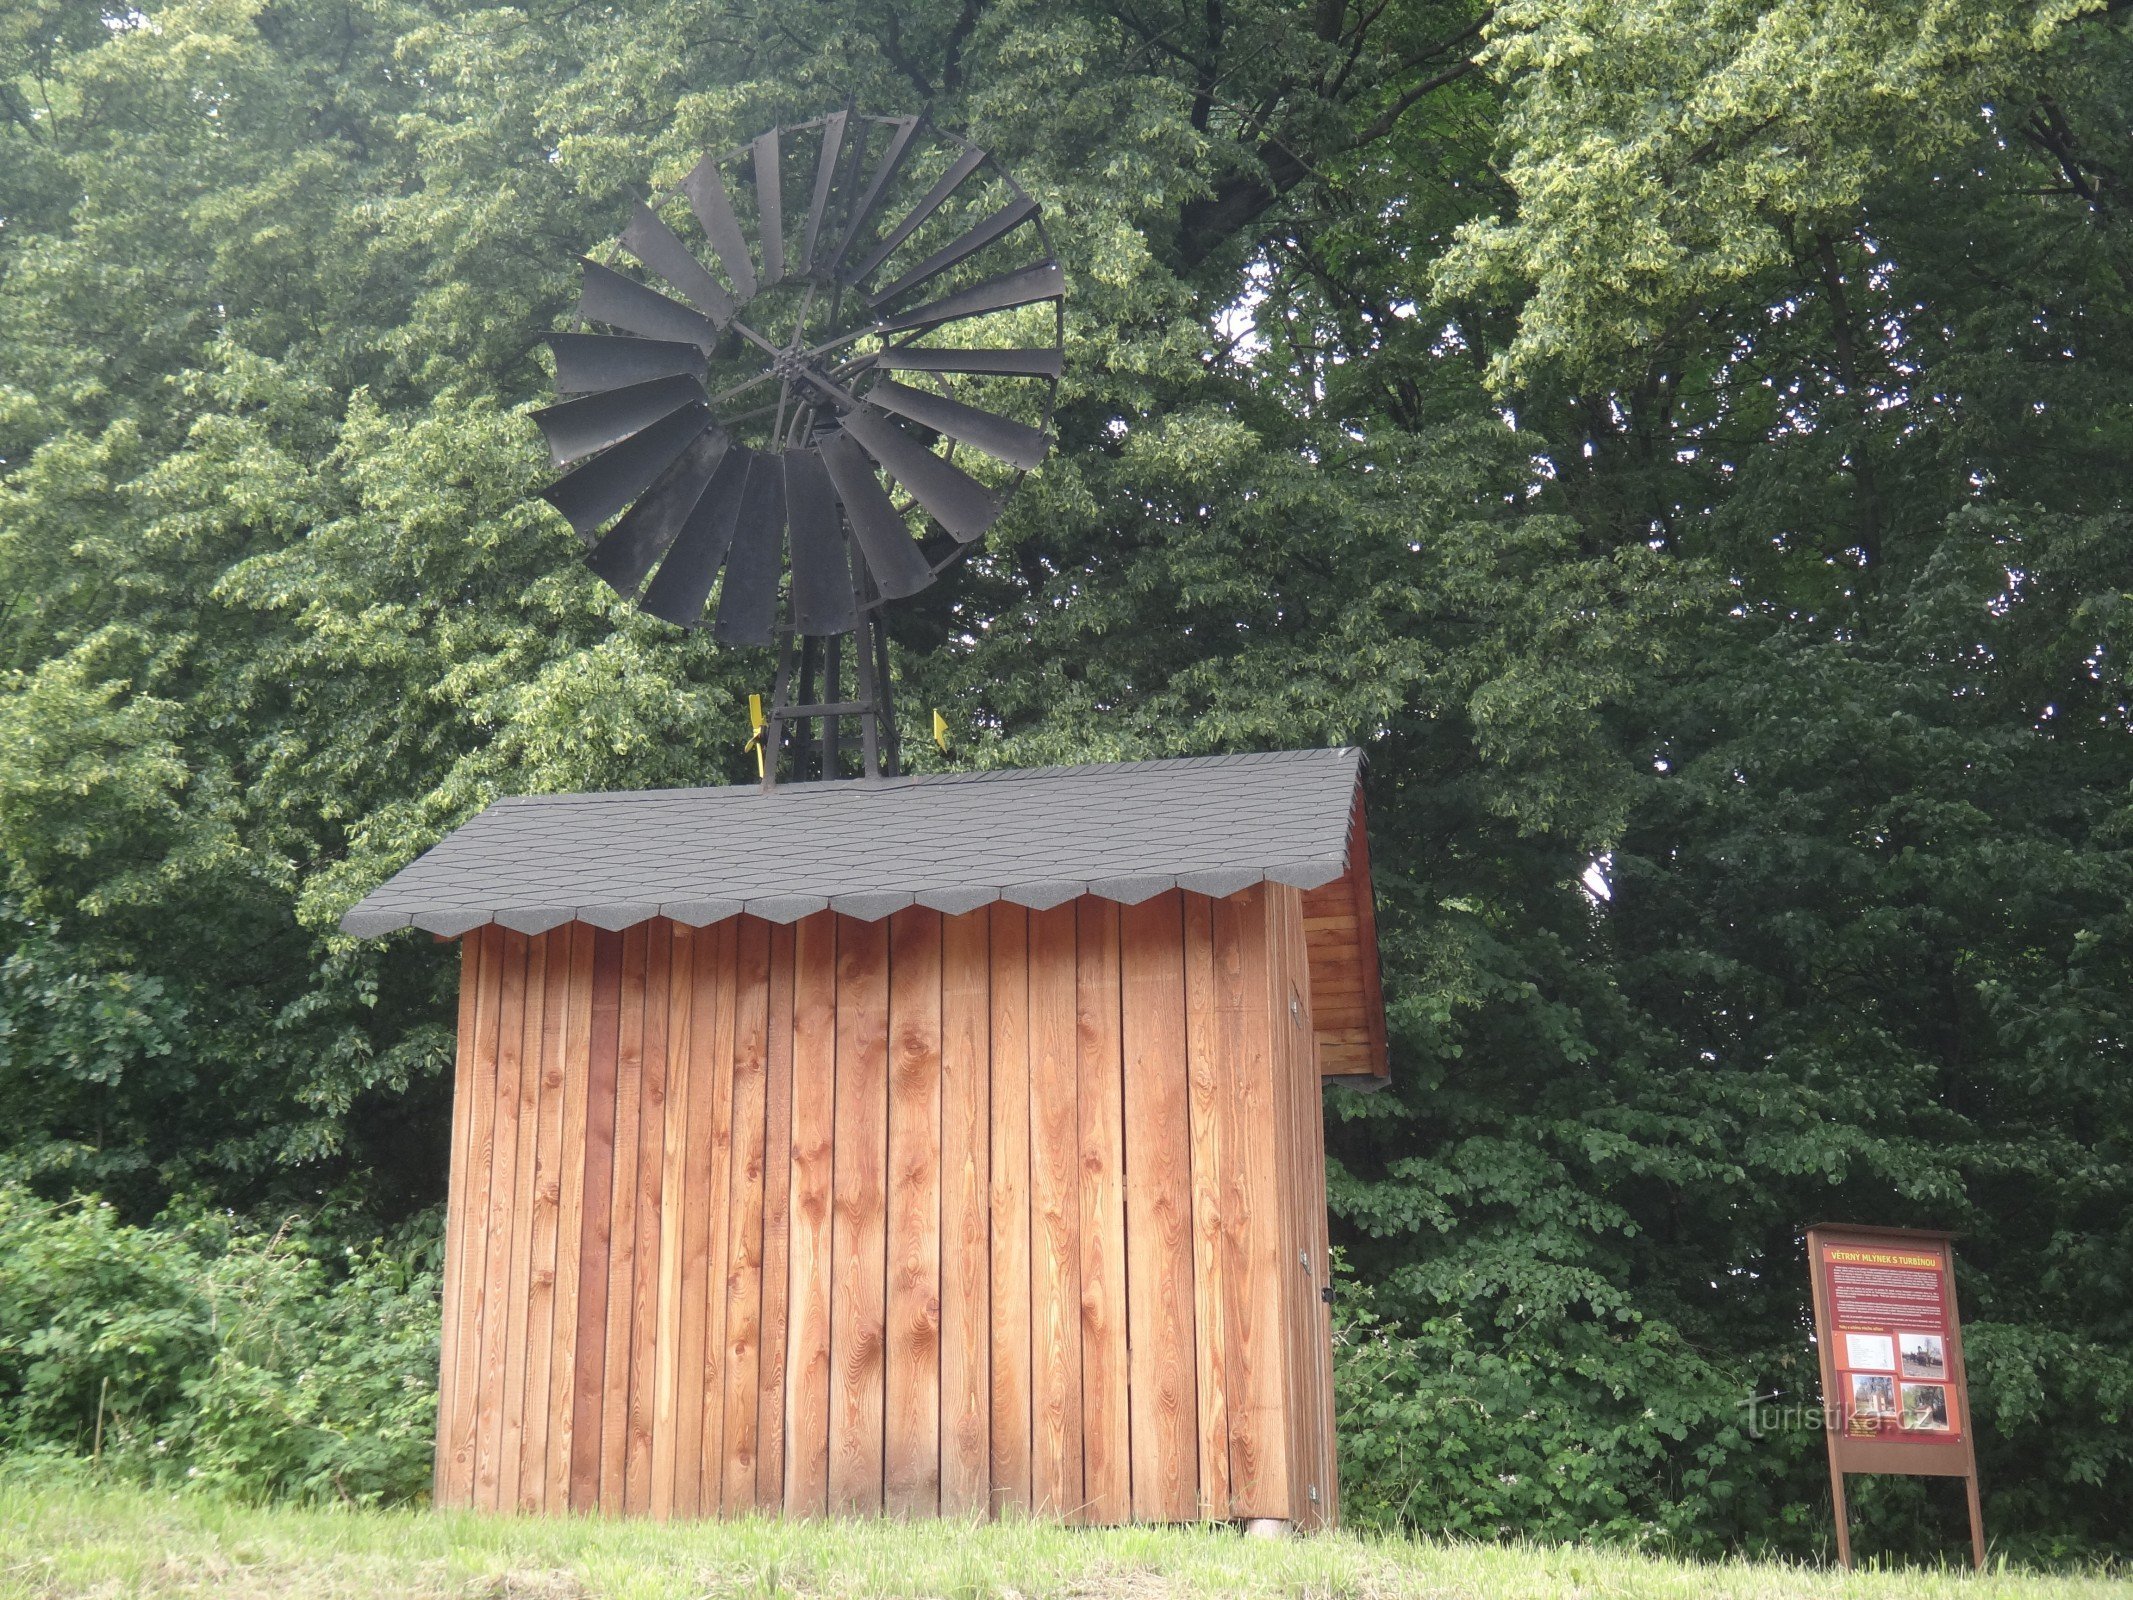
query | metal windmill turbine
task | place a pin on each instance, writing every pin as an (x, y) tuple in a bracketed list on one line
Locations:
[(781, 451)]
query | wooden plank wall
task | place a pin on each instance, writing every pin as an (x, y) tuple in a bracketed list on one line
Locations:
[(935, 1215), (1347, 992)]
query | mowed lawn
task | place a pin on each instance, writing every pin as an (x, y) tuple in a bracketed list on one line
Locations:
[(71, 1542)]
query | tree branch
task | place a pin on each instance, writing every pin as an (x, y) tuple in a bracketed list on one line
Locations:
[(1276, 168), (892, 48), (1386, 122), (958, 37)]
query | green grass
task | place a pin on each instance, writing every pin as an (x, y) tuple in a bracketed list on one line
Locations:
[(58, 1542)]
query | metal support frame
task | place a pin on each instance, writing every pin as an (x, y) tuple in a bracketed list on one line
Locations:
[(810, 686)]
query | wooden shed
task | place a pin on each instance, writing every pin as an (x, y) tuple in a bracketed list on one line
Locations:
[(933, 1145)]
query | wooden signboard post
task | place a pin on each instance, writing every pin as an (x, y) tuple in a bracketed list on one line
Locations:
[(1894, 1397)]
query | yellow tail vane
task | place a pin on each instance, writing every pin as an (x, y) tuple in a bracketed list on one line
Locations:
[(755, 733), (940, 730)]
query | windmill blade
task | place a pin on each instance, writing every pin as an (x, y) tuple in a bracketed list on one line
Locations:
[(891, 554), (997, 226), (885, 171), (590, 494), (754, 542), (770, 210), (953, 498), (821, 569), (656, 245), (998, 363), (635, 543), (748, 603), (578, 428), (706, 192), (958, 169), (825, 180), (999, 437), (592, 363), (608, 297), (1044, 281), (678, 594)]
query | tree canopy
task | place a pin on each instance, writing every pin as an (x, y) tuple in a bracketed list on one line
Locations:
[(1685, 443)]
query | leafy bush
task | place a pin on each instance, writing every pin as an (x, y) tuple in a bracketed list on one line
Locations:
[(1571, 1428), (205, 1353), (93, 1315), (1563, 1433)]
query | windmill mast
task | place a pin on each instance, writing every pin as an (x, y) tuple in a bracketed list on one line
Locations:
[(811, 690)]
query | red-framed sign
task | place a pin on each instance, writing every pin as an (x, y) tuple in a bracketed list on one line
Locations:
[(1894, 1395)]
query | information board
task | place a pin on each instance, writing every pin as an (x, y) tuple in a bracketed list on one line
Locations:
[(1891, 1348)]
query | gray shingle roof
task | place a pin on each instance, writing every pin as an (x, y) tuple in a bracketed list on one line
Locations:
[(956, 841)]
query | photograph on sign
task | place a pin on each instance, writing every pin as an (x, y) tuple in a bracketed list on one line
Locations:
[(1925, 1355), (1925, 1407), (1875, 1352), (1873, 1396)]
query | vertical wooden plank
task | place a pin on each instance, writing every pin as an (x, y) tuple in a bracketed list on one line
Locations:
[(690, 1055), (716, 996), (455, 1222), (860, 1227), (1208, 1073), (1285, 1023), (518, 1297), (570, 1214), (1329, 1510), (1107, 1482), (622, 1224), (912, 1390), (777, 1198), (1293, 1264), (1159, 1197), (1366, 909), (1312, 1397), (1254, 1272), (651, 1164), (744, 1227), (1056, 1484), (810, 1245), (670, 1497), (467, 1215), (496, 1272), (966, 1290), (547, 1202), (1013, 1379), (597, 1227)]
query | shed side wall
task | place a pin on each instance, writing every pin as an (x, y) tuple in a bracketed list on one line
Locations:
[(914, 1214)]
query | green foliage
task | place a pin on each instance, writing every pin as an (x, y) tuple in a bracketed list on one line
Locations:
[(72, 1035), (216, 1358), (1685, 444), (88, 1306), (1557, 1432), (1667, 153)]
